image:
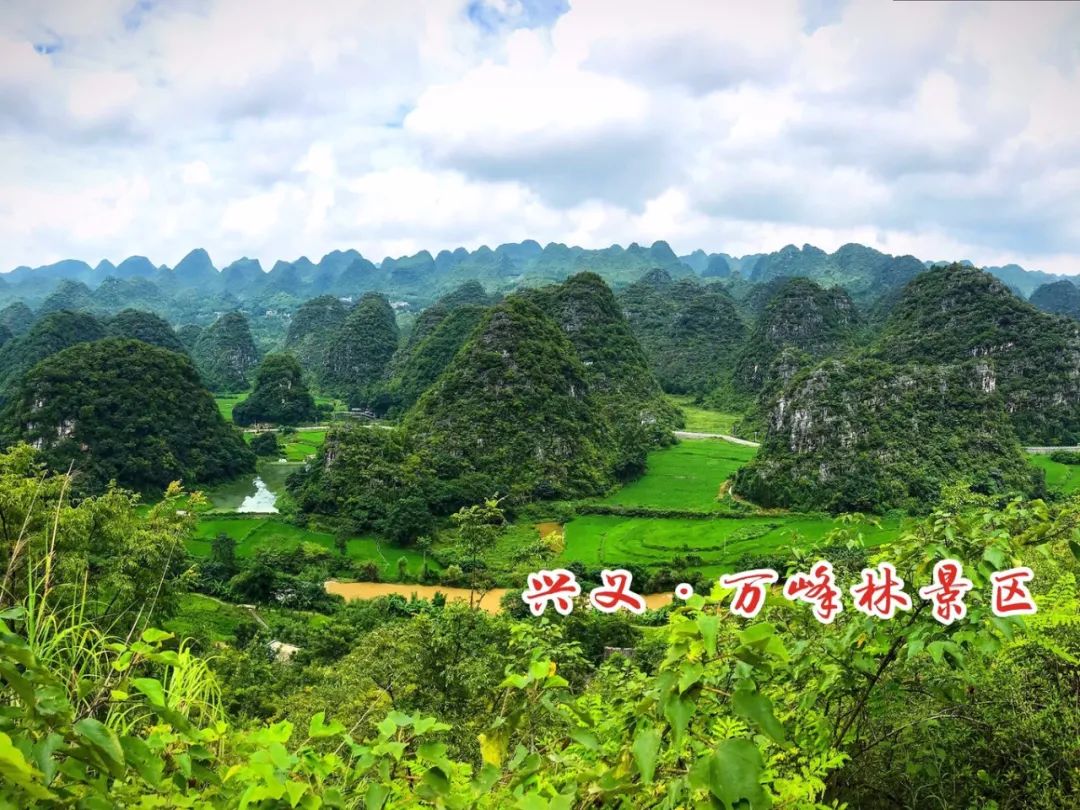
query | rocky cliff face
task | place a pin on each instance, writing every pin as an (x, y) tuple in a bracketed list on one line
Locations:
[(862, 435)]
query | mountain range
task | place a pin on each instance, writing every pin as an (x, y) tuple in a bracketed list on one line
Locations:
[(866, 273)]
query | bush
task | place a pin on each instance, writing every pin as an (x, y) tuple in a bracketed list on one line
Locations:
[(266, 444)]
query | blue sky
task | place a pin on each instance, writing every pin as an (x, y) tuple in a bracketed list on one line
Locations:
[(945, 130)]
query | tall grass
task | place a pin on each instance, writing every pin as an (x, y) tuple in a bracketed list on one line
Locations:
[(86, 658)]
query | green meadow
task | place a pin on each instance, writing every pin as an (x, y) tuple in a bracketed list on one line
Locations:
[(686, 476), (260, 532), (1063, 478), (227, 402), (703, 420)]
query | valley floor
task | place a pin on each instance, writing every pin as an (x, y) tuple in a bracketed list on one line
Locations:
[(678, 512)]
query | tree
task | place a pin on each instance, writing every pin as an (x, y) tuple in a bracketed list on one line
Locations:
[(478, 528), (265, 444), (223, 552), (280, 396)]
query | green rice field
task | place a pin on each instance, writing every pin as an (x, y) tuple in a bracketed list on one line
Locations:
[(653, 542), (254, 533), (686, 476), (1063, 478), (703, 420)]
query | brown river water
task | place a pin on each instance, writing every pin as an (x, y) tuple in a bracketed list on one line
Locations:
[(490, 602)]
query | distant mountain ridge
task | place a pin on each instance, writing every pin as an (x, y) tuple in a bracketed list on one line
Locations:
[(866, 273)]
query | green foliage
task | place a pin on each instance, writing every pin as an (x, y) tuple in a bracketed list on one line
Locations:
[(50, 334), (360, 349), (125, 411), (105, 550), (515, 392), (689, 333), (312, 328), (280, 395), (266, 444), (359, 475), (407, 704), (133, 324), (951, 314), (862, 435), (225, 354)]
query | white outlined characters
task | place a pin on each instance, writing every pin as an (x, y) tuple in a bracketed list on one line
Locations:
[(750, 589), (880, 592), (615, 593), (558, 587), (819, 589), (947, 591)]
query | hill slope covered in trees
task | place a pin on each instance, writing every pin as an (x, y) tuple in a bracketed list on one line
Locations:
[(127, 411), (951, 314), (862, 435)]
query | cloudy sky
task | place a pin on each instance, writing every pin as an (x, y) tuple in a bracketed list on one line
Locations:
[(274, 129)]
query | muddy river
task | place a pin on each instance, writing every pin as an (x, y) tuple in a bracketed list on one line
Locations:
[(490, 602)]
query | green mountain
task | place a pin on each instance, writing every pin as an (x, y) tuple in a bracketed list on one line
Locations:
[(145, 326), (225, 354), (864, 272), (17, 317), (800, 317), (69, 295), (312, 330), (361, 349), (689, 332), (189, 335), (1058, 298), (50, 334), (114, 294), (951, 314), (867, 436), (127, 411), (280, 395), (417, 365), (513, 412), (616, 368)]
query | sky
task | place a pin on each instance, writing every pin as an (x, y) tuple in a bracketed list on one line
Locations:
[(274, 129)]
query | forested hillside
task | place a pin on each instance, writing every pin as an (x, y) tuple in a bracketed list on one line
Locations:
[(801, 317), (225, 353), (1059, 298), (517, 390), (951, 314), (867, 436), (690, 333), (124, 411)]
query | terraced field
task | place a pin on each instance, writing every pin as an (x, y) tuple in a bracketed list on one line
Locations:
[(687, 477), (718, 542)]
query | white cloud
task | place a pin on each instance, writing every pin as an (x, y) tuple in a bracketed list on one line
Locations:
[(270, 131)]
